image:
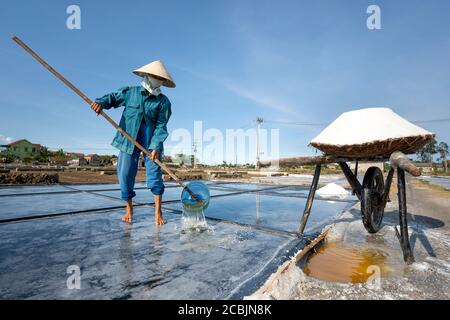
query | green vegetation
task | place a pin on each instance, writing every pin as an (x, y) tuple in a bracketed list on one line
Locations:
[(427, 152), (7, 157), (443, 151)]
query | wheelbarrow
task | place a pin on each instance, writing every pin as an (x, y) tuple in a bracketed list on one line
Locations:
[(373, 193)]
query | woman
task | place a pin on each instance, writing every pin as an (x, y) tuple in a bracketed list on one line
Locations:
[(144, 118)]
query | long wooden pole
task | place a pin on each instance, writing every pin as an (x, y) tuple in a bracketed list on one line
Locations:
[(108, 118)]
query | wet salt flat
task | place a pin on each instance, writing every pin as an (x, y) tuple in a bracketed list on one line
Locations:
[(40, 204), (295, 191), (280, 213), (46, 229), (119, 261), (443, 182), (303, 179), (6, 191), (242, 186), (145, 196)]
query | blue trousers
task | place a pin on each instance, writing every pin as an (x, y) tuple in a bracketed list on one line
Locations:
[(127, 167)]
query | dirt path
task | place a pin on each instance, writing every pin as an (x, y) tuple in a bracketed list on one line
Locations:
[(87, 177), (430, 200), (427, 278)]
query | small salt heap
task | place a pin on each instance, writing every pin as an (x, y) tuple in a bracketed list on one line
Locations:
[(333, 190)]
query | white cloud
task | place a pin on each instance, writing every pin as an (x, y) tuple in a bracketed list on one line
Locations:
[(262, 100), (5, 139)]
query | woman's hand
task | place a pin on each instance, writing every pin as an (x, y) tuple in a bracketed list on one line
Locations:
[(97, 107), (154, 155)]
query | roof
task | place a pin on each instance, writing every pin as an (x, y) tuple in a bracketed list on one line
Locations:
[(37, 145), (18, 141)]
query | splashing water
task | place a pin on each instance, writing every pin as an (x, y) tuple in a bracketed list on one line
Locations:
[(193, 221)]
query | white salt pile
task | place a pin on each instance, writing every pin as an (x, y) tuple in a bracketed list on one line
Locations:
[(368, 125), (372, 132), (333, 190)]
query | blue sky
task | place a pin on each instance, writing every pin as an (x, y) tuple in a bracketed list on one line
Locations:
[(295, 61)]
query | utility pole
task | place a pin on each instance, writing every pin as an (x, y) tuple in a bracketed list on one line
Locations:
[(259, 120), (194, 147)]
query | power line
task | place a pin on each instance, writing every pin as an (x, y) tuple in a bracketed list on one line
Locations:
[(431, 121), (298, 123), (325, 124)]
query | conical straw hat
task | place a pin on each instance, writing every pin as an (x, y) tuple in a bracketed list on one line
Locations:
[(371, 132), (156, 68)]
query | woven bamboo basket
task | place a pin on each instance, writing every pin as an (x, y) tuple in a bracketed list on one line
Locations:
[(374, 149)]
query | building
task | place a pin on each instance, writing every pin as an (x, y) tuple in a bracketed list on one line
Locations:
[(78, 162), (93, 159), (183, 159), (58, 161), (23, 148), (74, 155), (424, 167)]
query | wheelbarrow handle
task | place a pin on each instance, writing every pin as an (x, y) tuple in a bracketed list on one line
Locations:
[(400, 160)]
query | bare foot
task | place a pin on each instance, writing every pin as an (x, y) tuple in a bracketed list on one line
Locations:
[(128, 216), (159, 221)]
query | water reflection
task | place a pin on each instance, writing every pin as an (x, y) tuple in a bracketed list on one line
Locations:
[(126, 254), (258, 203)]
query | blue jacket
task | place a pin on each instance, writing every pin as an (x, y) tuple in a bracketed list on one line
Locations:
[(139, 105)]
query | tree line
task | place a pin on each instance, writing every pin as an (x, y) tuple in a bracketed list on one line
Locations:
[(427, 152)]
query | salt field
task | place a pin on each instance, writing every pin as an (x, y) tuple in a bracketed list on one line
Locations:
[(47, 229)]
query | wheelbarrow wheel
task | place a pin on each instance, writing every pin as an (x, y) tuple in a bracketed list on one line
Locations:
[(372, 206)]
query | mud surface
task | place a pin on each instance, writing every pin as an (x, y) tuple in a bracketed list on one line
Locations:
[(29, 178)]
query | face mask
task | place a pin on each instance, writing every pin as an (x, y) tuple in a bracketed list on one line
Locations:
[(152, 85)]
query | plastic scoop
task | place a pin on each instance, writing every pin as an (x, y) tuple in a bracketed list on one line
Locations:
[(190, 204), (193, 215)]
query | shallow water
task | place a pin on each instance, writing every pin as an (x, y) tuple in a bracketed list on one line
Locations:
[(338, 262), (144, 261), (281, 213), (121, 261)]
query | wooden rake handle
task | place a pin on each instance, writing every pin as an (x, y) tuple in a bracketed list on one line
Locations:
[(108, 118)]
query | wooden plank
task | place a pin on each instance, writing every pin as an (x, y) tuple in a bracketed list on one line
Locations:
[(300, 161)]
